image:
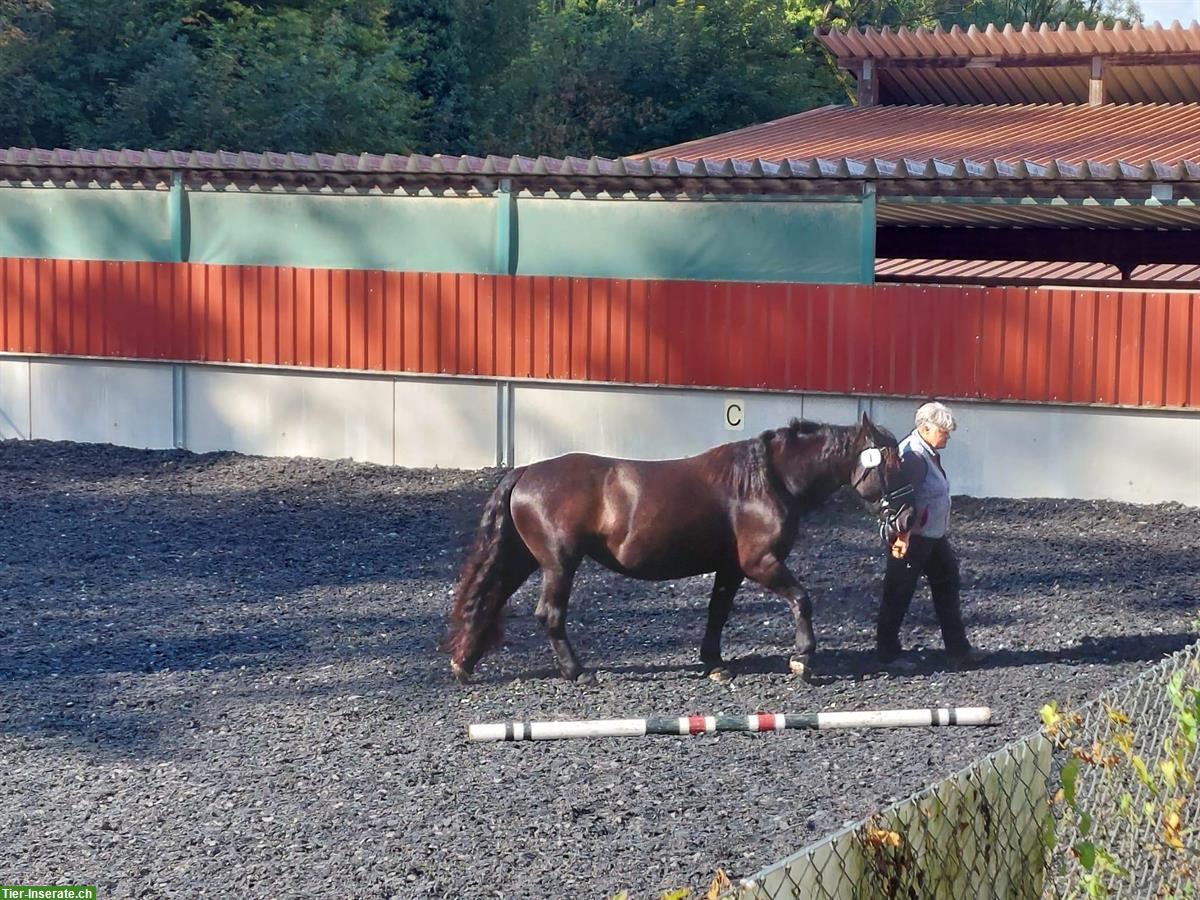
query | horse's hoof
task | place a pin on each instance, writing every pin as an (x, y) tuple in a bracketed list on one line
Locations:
[(721, 675), (586, 678), (801, 667), (461, 674)]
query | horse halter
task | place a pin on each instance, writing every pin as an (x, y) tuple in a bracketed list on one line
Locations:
[(891, 503)]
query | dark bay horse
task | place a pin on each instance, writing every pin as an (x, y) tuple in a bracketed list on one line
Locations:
[(733, 510)]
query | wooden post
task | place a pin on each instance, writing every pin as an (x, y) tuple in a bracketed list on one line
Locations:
[(868, 84), (1096, 85)]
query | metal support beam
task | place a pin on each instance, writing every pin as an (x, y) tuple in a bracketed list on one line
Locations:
[(867, 245), (178, 219), (506, 228), (179, 413), (505, 444)]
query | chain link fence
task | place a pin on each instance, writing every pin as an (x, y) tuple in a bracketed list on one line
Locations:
[(1103, 801)]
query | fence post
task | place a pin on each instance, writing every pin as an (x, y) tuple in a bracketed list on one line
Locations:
[(177, 216), (867, 240), (504, 424), (506, 229), (178, 420)]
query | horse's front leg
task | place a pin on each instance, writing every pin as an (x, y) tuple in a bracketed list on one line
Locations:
[(725, 586), (771, 573)]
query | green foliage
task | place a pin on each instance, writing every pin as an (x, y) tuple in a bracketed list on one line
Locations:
[(602, 78), (332, 78), (477, 76), (1052, 12), (1167, 786)]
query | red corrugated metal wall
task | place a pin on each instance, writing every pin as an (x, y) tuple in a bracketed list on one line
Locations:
[(1073, 346)]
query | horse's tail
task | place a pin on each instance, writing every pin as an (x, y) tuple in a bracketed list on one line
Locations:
[(477, 617)]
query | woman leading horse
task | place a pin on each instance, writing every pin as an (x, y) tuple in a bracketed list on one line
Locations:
[(733, 510)]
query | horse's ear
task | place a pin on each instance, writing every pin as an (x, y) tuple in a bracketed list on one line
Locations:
[(866, 426)]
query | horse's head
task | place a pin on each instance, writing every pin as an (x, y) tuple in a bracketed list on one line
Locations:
[(875, 467)]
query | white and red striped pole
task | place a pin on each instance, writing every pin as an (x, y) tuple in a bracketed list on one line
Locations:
[(883, 718)]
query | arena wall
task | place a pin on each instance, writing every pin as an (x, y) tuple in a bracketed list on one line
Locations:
[(1000, 449)]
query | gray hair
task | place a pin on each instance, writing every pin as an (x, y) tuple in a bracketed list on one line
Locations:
[(936, 414)]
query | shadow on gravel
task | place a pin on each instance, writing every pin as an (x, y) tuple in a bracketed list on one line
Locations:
[(832, 666), (131, 578), (1109, 650)]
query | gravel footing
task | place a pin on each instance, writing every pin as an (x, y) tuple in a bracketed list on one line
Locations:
[(222, 672)]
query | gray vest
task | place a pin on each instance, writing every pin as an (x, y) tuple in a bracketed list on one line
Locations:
[(932, 493)]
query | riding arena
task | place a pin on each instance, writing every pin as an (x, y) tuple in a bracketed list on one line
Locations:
[(272, 423)]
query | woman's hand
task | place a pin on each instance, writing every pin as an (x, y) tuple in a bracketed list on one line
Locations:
[(900, 546)]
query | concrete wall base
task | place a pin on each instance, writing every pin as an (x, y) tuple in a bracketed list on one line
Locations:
[(999, 450)]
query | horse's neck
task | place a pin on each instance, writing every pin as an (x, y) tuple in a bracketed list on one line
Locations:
[(816, 492), (828, 473)]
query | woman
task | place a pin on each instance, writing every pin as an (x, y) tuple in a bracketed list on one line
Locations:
[(922, 547)]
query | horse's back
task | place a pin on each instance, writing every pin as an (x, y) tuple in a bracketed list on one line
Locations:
[(645, 518), (582, 473)]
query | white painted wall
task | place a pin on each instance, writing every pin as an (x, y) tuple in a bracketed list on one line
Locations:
[(551, 419), (447, 423), (14, 399), (100, 402), (1029, 450), (999, 450), (280, 414)]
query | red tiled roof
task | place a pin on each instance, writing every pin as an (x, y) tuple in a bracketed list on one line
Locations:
[(1041, 133)]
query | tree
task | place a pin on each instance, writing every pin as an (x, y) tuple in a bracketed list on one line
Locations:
[(1017, 12), (553, 77), (299, 75), (613, 78), (331, 77)]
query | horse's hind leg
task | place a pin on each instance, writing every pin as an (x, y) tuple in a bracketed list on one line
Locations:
[(551, 611), (725, 586)]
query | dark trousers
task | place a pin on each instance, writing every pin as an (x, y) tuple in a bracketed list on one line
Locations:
[(936, 560)]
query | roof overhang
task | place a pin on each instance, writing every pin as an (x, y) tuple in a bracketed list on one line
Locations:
[(988, 273), (999, 183), (1037, 212), (1142, 63)]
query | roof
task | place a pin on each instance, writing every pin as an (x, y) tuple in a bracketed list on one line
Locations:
[(1138, 179), (1026, 42), (989, 272), (1142, 63), (1137, 134), (1022, 213)]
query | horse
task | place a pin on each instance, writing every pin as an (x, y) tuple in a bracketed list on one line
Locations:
[(733, 510)]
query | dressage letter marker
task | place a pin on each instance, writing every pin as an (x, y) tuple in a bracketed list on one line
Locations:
[(884, 718)]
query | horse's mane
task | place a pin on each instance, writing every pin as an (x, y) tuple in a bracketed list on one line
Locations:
[(749, 471), (839, 439), (749, 466)]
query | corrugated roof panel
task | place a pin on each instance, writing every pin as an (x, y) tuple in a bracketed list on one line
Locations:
[(1041, 148), (990, 272), (1041, 133), (1038, 84), (1008, 215)]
